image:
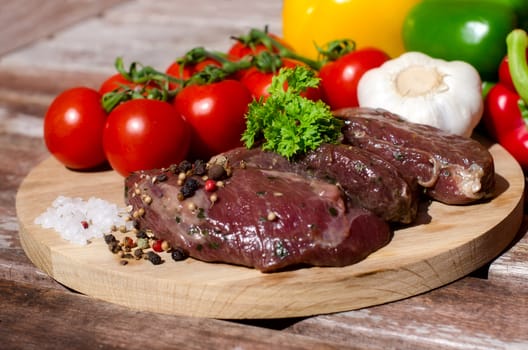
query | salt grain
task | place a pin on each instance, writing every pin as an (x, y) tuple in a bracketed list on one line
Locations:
[(66, 216)]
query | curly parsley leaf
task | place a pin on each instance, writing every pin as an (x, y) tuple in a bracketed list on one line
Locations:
[(288, 123)]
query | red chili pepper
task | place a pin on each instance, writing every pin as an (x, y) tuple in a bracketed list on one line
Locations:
[(506, 111)]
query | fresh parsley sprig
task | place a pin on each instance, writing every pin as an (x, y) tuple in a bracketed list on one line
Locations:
[(288, 123)]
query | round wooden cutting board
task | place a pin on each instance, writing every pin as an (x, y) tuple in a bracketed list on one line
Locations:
[(446, 243)]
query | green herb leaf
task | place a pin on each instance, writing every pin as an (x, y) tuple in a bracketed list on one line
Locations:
[(289, 123)]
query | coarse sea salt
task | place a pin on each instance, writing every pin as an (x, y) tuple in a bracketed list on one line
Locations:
[(79, 221)]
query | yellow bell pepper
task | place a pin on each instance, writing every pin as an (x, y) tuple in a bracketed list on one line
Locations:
[(372, 23)]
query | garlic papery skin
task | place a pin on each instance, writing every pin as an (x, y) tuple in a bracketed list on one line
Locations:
[(425, 90)]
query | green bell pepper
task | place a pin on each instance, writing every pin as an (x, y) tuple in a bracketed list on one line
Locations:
[(468, 30)]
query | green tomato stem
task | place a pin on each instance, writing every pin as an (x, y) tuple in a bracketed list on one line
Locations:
[(517, 42), (335, 49), (283, 51)]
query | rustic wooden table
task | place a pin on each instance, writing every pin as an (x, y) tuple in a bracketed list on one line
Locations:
[(46, 47)]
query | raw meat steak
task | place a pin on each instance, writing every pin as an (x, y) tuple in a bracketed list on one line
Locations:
[(367, 180), (452, 169), (266, 219)]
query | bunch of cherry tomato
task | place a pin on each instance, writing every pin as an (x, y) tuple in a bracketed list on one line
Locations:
[(142, 118)]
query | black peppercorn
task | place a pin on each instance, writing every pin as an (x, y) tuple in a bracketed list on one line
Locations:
[(138, 253), (114, 247), (200, 167), (184, 166), (141, 234), (154, 258), (109, 238), (189, 188), (161, 177), (178, 254)]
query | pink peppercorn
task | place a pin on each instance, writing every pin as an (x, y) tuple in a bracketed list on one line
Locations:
[(157, 245), (210, 185)]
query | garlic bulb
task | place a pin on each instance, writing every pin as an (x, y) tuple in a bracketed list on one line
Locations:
[(425, 90)]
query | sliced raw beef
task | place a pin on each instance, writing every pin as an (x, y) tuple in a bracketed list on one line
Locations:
[(266, 219), (452, 169), (367, 180)]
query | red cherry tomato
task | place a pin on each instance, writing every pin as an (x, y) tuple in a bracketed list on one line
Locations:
[(145, 134), (73, 128), (216, 114), (116, 82), (207, 62), (339, 79), (258, 82), (175, 69), (241, 49)]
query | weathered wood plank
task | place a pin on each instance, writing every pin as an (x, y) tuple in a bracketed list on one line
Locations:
[(151, 32), (40, 318), (512, 266), (469, 314), (24, 21), (21, 148), (16, 267)]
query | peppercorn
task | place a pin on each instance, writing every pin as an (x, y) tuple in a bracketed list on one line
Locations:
[(146, 199), (142, 243), (165, 246), (210, 185), (156, 245), (128, 242), (216, 172), (138, 253), (114, 247), (141, 234), (184, 166), (109, 238), (200, 167), (154, 258), (178, 254), (161, 177), (189, 188), (213, 198)]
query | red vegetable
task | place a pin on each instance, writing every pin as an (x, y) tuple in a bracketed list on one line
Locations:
[(339, 78), (145, 134), (176, 70), (117, 82), (192, 62), (259, 81), (215, 111), (143, 80), (506, 113), (255, 42), (73, 128)]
